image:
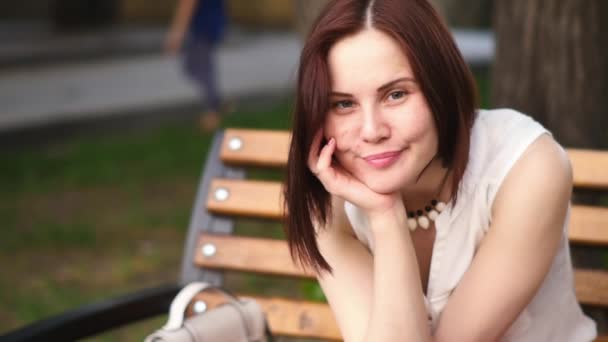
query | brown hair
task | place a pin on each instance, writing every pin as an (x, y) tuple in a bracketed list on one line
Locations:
[(444, 79)]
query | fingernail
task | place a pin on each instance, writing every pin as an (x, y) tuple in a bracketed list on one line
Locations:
[(331, 141)]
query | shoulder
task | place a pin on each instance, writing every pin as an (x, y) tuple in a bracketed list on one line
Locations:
[(546, 156), (515, 159), (499, 139), (542, 175), (495, 115), (495, 124)]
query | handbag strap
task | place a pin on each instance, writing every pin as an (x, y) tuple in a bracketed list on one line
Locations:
[(179, 304)]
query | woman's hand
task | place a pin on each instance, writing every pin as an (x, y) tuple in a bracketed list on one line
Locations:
[(339, 182)]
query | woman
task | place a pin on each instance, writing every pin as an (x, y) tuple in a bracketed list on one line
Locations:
[(424, 218)]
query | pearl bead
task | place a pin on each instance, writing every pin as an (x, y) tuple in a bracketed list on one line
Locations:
[(412, 224), (440, 206), (424, 222), (433, 215)]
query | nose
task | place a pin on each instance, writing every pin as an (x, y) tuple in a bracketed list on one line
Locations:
[(373, 126)]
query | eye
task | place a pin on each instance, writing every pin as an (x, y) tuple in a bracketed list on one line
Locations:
[(396, 95), (344, 104)]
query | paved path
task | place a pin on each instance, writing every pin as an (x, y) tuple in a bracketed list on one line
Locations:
[(256, 64)]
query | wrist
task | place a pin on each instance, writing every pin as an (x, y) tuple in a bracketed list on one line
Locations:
[(388, 219)]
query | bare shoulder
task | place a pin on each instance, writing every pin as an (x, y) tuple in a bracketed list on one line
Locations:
[(542, 177), (546, 151), (546, 162)]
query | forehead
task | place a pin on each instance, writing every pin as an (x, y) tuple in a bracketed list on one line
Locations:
[(366, 59)]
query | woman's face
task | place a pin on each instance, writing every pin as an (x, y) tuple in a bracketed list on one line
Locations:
[(384, 130)]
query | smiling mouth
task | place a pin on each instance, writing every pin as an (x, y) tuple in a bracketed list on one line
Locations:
[(382, 160)]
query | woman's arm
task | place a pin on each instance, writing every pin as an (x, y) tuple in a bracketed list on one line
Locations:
[(373, 298), (349, 288), (515, 255), (379, 298), (398, 312)]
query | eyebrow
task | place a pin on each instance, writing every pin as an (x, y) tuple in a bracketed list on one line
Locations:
[(380, 89)]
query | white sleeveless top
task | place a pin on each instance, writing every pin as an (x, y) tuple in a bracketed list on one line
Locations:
[(499, 137)]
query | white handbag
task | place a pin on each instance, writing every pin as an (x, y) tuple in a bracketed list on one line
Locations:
[(238, 320)]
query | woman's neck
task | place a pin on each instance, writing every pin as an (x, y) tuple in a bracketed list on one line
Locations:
[(434, 183)]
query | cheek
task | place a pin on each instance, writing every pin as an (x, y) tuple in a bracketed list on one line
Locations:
[(425, 134), (330, 127), (341, 130), (421, 129), (417, 127), (343, 133), (344, 145)]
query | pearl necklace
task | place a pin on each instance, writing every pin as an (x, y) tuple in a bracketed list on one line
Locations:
[(424, 218)]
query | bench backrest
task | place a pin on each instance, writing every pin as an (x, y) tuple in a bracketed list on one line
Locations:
[(225, 194)]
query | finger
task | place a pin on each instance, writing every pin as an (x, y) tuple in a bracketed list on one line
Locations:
[(313, 154), (327, 151)]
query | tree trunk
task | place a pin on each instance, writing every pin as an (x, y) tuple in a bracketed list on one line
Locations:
[(552, 63)]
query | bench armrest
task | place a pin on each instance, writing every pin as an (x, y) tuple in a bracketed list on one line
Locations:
[(98, 317)]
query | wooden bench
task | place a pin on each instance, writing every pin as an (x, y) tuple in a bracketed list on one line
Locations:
[(232, 196), (212, 249)]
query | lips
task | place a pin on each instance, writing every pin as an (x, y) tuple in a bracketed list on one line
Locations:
[(382, 160)]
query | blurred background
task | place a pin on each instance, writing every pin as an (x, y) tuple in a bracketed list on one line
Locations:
[(103, 133)]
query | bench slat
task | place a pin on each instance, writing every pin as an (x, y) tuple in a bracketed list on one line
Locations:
[(266, 256), (256, 147), (261, 199), (270, 148), (591, 287), (589, 168), (246, 198), (589, 225), (271, 256), (288, 317)]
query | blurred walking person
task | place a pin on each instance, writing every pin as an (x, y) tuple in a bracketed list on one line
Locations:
[(196, 30)]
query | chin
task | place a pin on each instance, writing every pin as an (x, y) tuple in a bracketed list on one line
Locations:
[(388, 184), (384, 186)]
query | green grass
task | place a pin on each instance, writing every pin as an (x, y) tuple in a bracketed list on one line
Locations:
[(173, 150), (97, 216), (176, 150)]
